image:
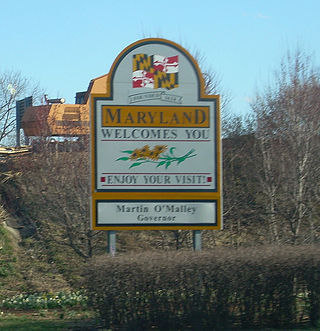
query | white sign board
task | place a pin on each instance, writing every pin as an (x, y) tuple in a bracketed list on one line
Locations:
[(155, 143)]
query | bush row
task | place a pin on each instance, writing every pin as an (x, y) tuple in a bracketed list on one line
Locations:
[(219, 289)]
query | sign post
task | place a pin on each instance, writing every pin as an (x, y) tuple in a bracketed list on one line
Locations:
[(196, 240), (111, 242), (155, 144)]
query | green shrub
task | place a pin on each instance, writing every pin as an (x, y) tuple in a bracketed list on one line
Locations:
[(220, 289)]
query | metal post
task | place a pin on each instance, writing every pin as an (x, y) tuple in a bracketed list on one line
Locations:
[(111, 242), (196, 240), (17, 136)]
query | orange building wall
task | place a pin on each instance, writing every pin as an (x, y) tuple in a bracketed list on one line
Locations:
[(62, 119)]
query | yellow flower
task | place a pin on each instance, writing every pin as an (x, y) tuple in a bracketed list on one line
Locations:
[(145, 151), (159, 149), (135, 154), (153, 155)]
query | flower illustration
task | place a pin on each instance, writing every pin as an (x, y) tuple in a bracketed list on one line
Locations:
[(135, 154), (155, 155), (157, 151), (145, 151), (160, 149)]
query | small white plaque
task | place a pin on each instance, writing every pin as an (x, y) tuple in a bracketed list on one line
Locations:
[(155, 213)]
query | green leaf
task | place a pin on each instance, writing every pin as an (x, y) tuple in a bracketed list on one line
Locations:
[(181, 160), (190, 152), (128, 152), (135, 164), (171, 150), (125, 158), (167, 164), (161, 163)]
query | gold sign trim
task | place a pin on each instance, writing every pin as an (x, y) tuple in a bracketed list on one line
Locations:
[(156, 116)]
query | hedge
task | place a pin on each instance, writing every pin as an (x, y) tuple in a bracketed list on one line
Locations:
[(221, 289)]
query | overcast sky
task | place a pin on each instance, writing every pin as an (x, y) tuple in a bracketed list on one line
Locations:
[(64, 44)]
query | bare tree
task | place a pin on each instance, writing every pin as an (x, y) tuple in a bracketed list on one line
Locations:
[(288, 126), (13, 86), (213, 82), (55, 188)]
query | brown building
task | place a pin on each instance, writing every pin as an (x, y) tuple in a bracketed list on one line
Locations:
[(58, 119)]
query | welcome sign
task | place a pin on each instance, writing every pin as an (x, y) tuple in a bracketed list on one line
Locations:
[(155, 143)]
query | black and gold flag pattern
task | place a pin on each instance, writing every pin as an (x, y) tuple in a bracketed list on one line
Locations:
[(155, 71)]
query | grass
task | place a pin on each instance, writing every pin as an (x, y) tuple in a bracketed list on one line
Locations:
[(69, 320), (283, 329), (7, 257), (27, 324), (48, 320)]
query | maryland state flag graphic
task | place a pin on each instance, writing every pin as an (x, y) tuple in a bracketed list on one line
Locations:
[(155, 71)]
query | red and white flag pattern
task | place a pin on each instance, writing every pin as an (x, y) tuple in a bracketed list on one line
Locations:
[(155, 71)]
